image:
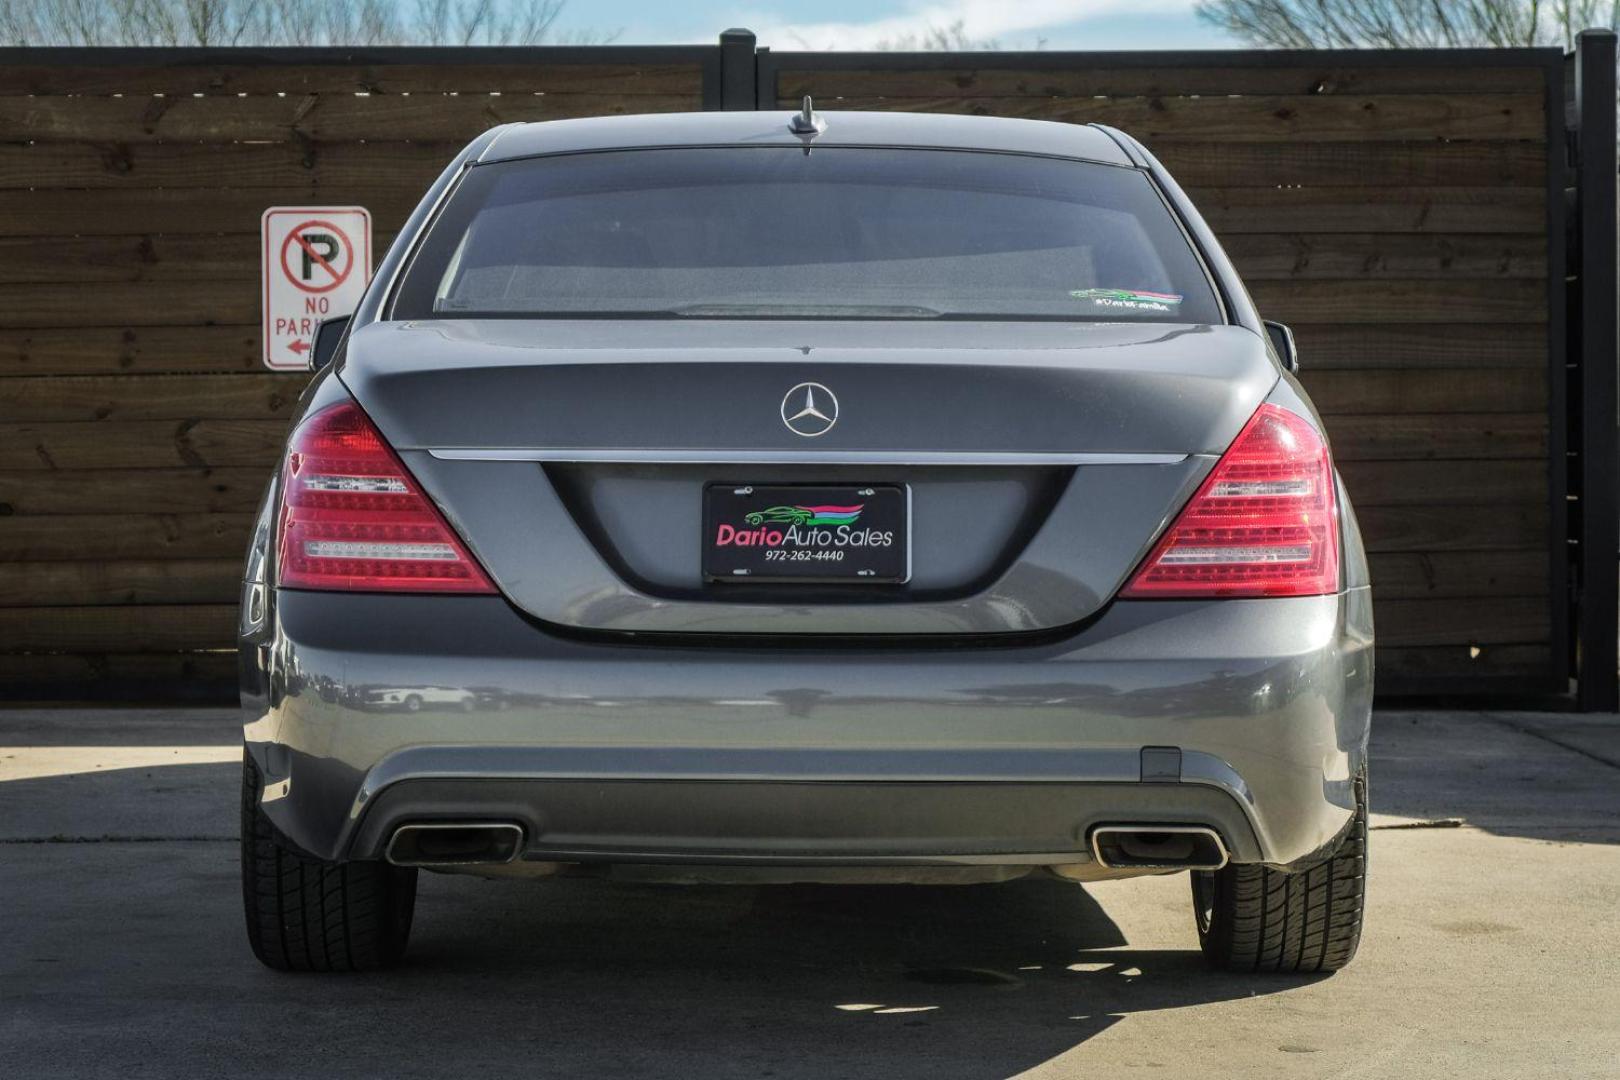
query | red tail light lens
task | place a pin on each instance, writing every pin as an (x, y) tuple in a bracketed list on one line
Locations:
[(1264, 523), (353, 519)]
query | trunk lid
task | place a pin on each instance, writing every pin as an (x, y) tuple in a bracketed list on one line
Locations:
[(1041, 459)]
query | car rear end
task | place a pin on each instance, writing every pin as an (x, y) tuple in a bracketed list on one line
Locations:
[(874, 509)]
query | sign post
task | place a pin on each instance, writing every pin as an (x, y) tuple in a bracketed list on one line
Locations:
[(316, 264)]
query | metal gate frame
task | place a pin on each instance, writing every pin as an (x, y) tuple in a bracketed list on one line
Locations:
[(1594, 538)]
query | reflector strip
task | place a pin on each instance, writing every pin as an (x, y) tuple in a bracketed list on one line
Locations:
[(369, 485), (1249, 489), (1192, 556), (342, 549)]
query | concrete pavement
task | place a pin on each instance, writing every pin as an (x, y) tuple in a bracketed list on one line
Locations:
[(1492, 947)]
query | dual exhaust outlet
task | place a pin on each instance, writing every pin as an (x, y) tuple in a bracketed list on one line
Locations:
[(1158, 847), (455, 843)]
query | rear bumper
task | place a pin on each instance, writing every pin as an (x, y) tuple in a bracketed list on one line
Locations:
[(775, 820), (1253, 716)]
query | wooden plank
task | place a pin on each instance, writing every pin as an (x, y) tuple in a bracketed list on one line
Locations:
[(1463, 621), (414, 165), (239, 165), (125, 536), (1339, 256), (141, 444), (74, 260), (1516, 527), (402, 117), (151, 397), (116, 303), (1456, 210), (1398, 301), (1435, 436), (385, 164), (82, 583), (122, 629), (148, 257), (128, 350), (1442, 390), (130, 676), (137, 212), (1159, 80), (1368, 210), (1258, 118), (1416, 575), (1402, 667), (1346, 347), (1228, 210), (269, 73), (1415, 163), (1444, 483), (133, 491)]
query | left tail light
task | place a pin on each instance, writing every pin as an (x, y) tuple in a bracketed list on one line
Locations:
[(353, 519)]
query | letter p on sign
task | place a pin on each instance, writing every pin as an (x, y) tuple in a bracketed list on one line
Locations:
[(316, 264)]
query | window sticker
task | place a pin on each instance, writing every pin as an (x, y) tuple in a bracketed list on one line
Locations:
[(1134, 299)]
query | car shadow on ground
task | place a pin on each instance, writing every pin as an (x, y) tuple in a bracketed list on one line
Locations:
[(565, 975), (897, 981)]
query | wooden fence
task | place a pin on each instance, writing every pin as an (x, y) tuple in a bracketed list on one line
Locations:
[(1403, 211), (137, 424)]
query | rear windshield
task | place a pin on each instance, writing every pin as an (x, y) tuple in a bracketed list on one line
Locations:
[(777, 233)]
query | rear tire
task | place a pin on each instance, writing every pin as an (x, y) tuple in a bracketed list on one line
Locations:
[(308, 915), (1254, 919)]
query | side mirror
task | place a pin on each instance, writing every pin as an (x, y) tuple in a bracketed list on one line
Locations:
[(327, 337), (1282, 342)]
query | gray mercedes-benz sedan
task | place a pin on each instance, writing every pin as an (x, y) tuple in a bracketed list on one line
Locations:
[(785, 497)]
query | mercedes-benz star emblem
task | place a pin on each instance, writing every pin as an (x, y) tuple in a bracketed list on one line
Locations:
[(810, 409)]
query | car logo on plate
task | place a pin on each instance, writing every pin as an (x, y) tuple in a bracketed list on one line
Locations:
[(810, 409)]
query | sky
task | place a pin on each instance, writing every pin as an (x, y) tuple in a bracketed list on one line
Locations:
[(862, 24)]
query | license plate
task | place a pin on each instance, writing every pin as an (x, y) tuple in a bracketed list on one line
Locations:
[(801, 533)]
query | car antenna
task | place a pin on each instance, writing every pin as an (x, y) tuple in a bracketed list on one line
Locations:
[(806, 122)]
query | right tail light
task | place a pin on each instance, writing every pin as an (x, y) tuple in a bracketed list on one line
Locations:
[(1264, 523)]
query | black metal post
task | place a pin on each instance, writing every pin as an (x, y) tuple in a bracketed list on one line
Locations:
[(1593, 344), (736, 70)]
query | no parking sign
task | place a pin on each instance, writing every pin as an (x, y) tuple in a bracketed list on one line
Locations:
[(316, 263)]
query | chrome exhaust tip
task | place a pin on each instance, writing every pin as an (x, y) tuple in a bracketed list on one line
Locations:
[(1158, 847), (455, 843)]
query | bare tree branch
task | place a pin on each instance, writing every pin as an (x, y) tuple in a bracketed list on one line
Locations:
[(287, 22), (1389, 24), (952, 38)]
